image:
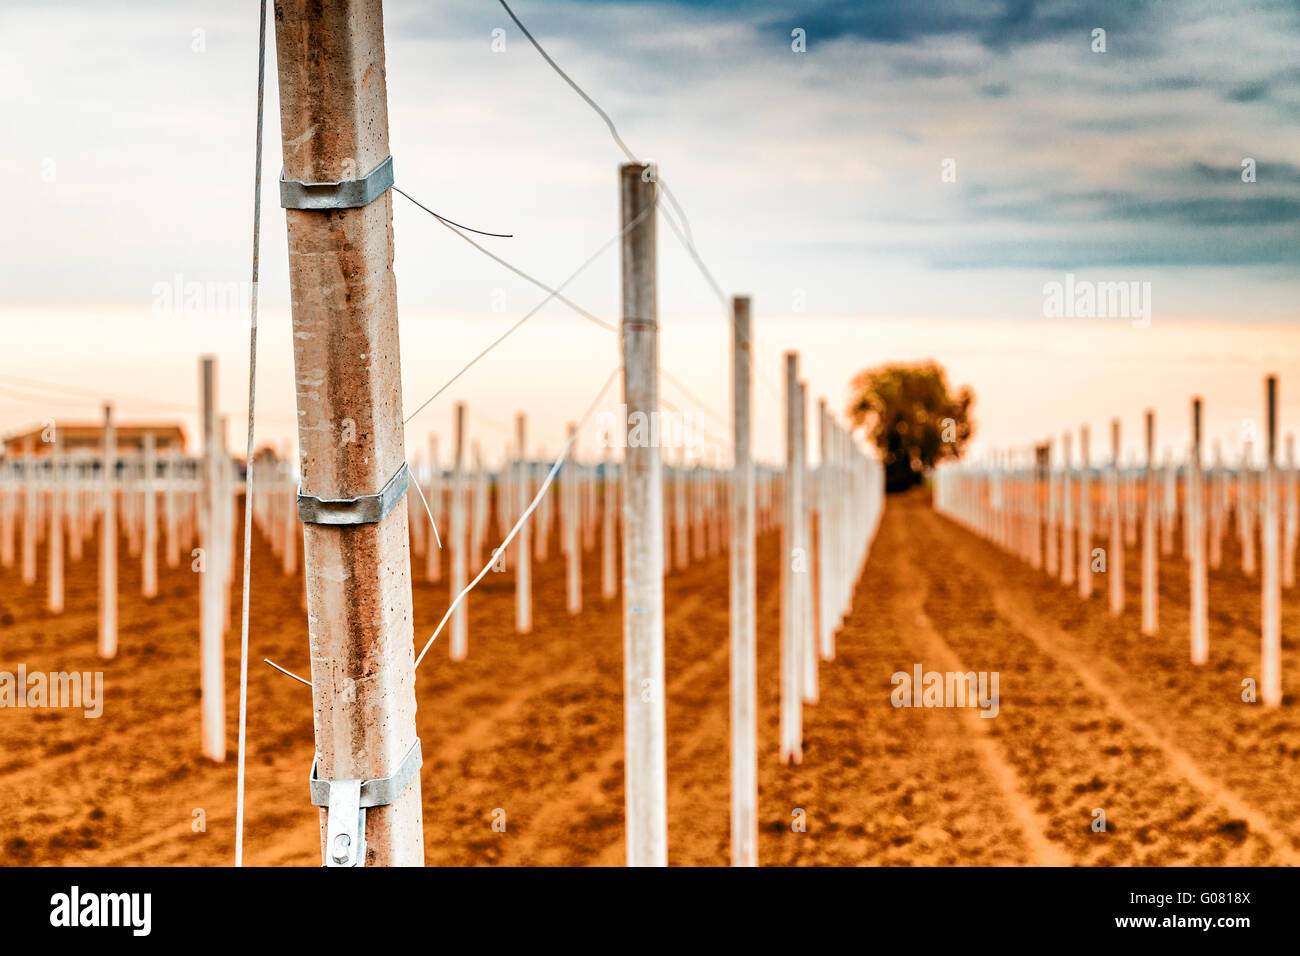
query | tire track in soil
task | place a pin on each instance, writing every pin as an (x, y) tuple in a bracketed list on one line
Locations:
[(1251, 749), (1044, 634), (1032, 825), (1245, 752), (524, 718), (1161, 807), (880, 785)]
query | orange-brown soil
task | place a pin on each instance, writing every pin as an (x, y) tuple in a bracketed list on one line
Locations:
[(1092, 716)]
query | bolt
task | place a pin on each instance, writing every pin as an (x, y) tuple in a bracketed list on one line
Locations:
[(342, 848)]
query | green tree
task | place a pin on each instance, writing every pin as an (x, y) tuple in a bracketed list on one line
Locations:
[(909, 414)]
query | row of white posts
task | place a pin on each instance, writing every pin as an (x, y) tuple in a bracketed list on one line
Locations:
[(58, 498), (169, 501), (346, 343), (585, 508), (155, 501), (1045, 510), (691, 512), (846, 493)]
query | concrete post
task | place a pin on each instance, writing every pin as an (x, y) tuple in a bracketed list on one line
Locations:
[(334, 125), (643, 523), (108, 542), (744, 669)]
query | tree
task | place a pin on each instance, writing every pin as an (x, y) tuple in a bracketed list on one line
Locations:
[(910, 415)]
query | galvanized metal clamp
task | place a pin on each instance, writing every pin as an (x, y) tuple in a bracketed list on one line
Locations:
[(346, 802), (344, 194), (363, 509)]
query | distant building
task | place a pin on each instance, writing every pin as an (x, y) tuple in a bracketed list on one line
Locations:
[(90, 437)]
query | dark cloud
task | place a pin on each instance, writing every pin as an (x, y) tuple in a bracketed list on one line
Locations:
[(1248, 92), (1210, 249), (1251, 207), (1249, 210), (996, 23), (1191, 215), (1243, 249)]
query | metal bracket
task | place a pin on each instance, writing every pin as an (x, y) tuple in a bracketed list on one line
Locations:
[(363, 509), (346, 802), (344, 194)]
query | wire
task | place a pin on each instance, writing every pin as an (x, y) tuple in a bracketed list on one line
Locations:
[(510, 537), (682, 231), (685, 391), (252, 404), (550, 477), (427, 510), (685, 236), (552, 294), (97, 397), (436, 538), (92, 395), (67, 401), (576, 88), (555, 293), (300, 680), (452, 222), (689, 243)]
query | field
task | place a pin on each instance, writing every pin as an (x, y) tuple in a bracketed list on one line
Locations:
[(529, 730)]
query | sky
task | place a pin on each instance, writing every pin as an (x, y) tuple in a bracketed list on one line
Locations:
[(905, 186)]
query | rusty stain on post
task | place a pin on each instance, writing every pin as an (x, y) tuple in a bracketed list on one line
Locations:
[(334, 124)]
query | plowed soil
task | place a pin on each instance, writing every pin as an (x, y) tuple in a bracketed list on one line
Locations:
[(1092, 716)]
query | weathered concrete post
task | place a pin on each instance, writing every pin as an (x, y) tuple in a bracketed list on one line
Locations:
[(1115, 546), (29, 511), (1149, 567), (826, 618), (804, 578), (570, 504), (433, 555), (608, 523), (1085, 514), (149, 558), (459, 646), (334, 125), (791, 614), (1270, 672), (523, 554), (744, 669), (108, 542), (213, 600), (1067, 513), (54, 543), (643, 531), (170, 507), (1196, 540), (1290, 516)]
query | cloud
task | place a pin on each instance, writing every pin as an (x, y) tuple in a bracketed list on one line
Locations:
[(796, 169)]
